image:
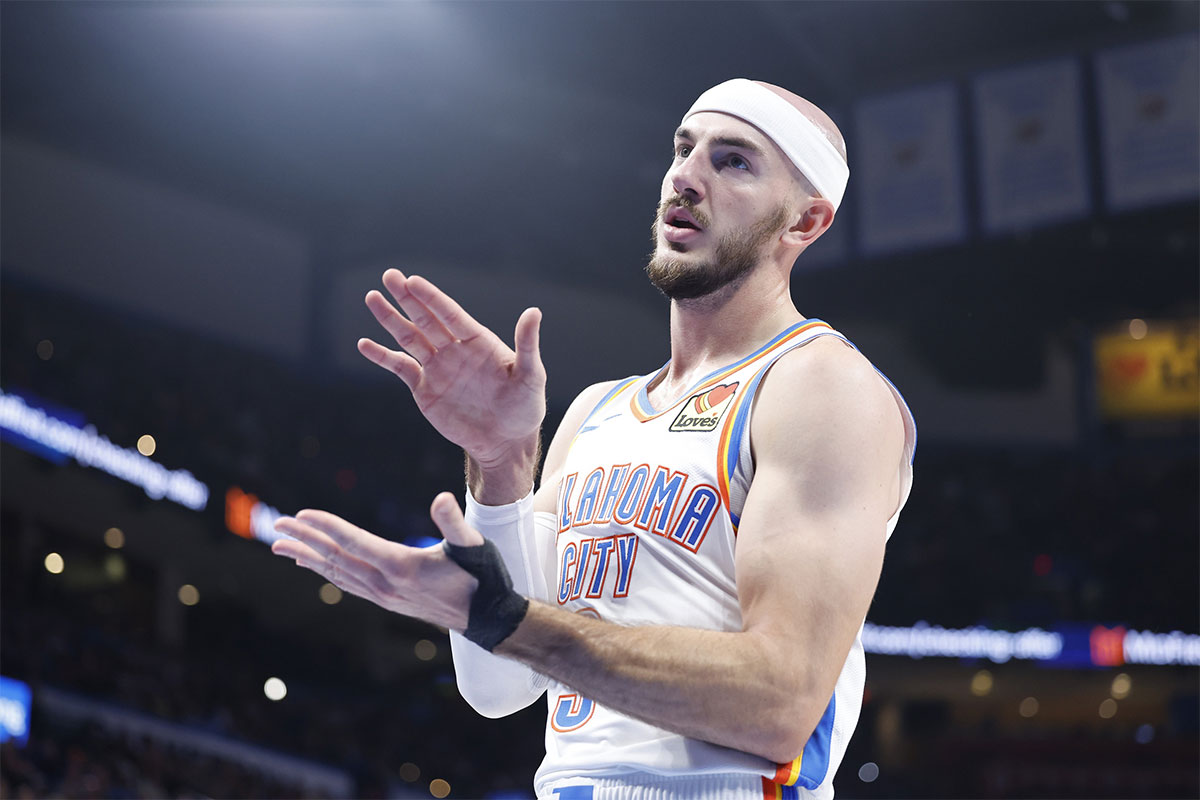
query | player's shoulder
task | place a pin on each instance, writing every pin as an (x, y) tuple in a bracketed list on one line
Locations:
[(826, 381), (828, 361), (597, 391), (589, 398), (585, 402)]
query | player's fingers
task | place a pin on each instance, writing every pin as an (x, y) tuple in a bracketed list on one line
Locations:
[(402, 364), (348, 583), (352, 540), (449, 520), (325, 549), (313, 561), (293, 548), (415, 309), (458, 322), (527, 339), (402, 330), (306, 541)]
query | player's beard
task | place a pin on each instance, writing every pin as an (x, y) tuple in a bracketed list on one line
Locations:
[(735, 256)]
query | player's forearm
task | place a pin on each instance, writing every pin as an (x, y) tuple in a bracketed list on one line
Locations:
[(492, 685), (504, 477), (736, 689)]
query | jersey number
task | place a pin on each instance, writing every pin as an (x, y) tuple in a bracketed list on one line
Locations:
[(571, 712)]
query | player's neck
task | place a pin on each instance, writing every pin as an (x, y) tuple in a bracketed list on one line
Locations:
[(710, 332)]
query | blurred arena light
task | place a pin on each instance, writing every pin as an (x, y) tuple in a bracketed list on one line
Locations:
[(330, 595), (425, 650), (45, 349), (1138, 328), (1070, 643), (146, 444), (409, 772), (189, 595), (16, 702), (439, 787), (275, 689), (1121, 685), (1144, 734), (60, 434), (54, 563), (982, 683), (1108, 709), (868, 772), (114, 538), (114, 567), (1029, 707)]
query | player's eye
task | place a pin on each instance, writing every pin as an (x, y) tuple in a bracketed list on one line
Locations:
[(683, 150), (737, 162)]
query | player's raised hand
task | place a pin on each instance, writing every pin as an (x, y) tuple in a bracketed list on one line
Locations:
[(417, 582), (475, 390)]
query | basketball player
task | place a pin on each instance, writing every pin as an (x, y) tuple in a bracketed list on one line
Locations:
[(689, 583)]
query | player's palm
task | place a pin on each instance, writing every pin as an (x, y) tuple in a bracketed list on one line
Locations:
[(475, 390)]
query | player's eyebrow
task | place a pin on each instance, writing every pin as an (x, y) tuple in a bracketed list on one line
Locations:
[(739, 143), (726, 141)]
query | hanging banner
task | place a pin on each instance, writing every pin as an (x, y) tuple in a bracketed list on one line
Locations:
[(1031, 151), (907, 170), (1150, 122), (1149, 370)]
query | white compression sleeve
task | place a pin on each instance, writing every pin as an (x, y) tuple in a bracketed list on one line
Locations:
[(495, 686)]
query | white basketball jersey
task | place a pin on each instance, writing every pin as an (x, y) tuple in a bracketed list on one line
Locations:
[(648, 514)]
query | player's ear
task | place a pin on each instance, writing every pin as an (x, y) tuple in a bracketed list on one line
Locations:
[(814, 218)]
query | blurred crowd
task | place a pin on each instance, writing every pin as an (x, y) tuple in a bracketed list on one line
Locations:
[(1019, 539), (90, 763), (102, 645)]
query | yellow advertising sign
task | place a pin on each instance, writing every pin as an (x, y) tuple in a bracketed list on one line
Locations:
[(1149, 369)]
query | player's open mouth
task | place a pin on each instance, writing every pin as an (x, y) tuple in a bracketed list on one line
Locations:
[(679, 217), (679, 226)]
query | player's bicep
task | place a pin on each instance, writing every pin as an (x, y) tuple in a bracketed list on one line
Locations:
[(813, 528)]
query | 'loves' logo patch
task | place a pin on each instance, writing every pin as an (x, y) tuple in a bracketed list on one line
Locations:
[(703, 411)]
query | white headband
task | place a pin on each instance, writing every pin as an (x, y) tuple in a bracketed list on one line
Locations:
[(798, 138)]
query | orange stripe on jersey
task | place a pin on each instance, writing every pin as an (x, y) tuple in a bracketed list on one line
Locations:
[(787, 774), (771, 790), (726, 464), (716, 377)]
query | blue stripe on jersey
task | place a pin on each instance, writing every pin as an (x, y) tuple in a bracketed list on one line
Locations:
[(815, 763), (747, 400), (613, 392)]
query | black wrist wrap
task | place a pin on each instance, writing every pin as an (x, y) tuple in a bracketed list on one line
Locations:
[(496, 610)]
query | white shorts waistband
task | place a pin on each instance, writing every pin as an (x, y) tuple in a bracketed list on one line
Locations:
[(647, 786)]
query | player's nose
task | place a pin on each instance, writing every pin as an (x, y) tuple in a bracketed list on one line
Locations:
[(686, 177)]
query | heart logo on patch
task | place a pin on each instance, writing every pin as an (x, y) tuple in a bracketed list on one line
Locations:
[(714, 397)]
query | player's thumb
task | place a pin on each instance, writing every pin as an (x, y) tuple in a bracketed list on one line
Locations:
[(449, 520), (527, 339)]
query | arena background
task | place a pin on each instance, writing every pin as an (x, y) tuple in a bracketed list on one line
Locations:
[(196, 196)]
